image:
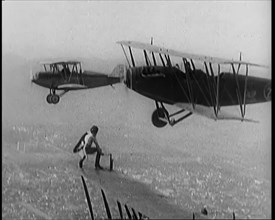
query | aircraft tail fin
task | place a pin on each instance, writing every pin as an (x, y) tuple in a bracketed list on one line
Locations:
[(119, 71)]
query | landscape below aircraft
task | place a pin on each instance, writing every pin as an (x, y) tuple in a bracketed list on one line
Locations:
[(68, 75), (181, 84)]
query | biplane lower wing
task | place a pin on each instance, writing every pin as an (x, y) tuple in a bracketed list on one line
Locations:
[(71, 87), (209, 113)]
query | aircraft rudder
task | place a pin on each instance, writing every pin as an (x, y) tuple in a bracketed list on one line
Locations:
[(119, 71)]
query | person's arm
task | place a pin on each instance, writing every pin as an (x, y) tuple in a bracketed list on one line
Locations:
[(79, 144)]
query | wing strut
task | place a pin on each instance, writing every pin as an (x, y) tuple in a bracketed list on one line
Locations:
[(134, 214), (126, 56), (193, 65), (132, 58), (245, 88), (87, 197), (214, 85), (148, 63), (239, 63), (218, 89), (106, 205), (161, 59), (199, 86), (238, 90), (167, 57), (153, 56), (154, 59), (188, 71), (128, 212), (209, 89), (182, 88), (120, 209)]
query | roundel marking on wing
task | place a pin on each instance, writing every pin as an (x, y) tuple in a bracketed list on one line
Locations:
[(268, 92)]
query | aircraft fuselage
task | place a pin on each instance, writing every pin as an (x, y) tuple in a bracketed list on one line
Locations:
[(87, 79), (171, 85)]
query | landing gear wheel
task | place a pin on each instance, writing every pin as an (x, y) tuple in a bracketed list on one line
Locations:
[(55, 99), (49, 98), (158, 118)]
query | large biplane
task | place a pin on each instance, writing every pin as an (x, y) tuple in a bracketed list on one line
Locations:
[(66, 76), (197, 90)]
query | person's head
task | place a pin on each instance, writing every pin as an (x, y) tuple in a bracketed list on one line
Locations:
[(94, 130)]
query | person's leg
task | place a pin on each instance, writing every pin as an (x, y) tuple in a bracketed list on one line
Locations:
[(81, 161), (97, 160)]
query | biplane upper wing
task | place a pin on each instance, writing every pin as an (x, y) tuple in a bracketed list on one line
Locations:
[(203, 58), (59, 62)]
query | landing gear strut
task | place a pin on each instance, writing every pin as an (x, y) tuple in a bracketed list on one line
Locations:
[(161, 117), (52, 98)]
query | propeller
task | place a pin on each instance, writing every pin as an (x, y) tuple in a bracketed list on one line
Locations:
[(31, 74), (124, 80)]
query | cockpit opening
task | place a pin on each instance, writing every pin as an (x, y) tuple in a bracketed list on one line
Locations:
[(151, 71)]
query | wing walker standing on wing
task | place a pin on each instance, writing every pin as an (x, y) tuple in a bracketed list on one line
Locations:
[(84, 147)]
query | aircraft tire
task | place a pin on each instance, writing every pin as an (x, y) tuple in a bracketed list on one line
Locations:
[(49, 98), (157, 118), (55, 99)]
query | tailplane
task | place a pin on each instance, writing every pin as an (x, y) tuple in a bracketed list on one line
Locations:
[(119, 71)]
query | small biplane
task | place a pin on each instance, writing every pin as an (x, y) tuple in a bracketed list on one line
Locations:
[(67, 76), (197, 90)]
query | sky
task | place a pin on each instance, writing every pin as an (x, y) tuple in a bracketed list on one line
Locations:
[(48, 29), (90, 28)]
